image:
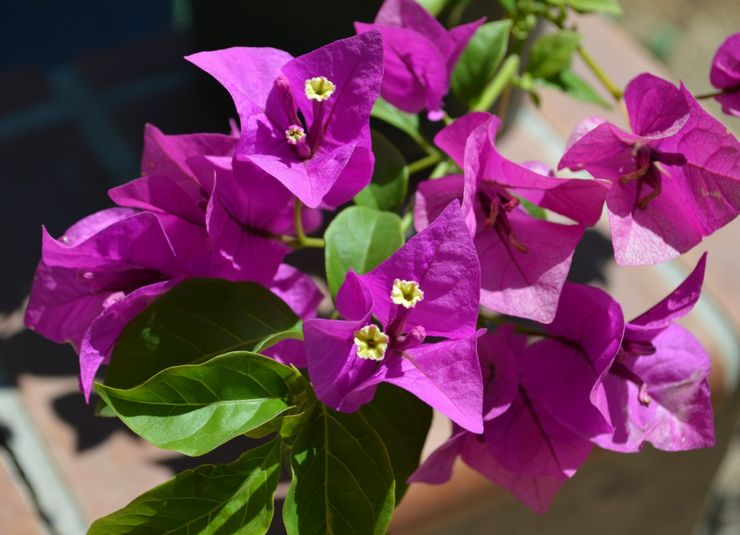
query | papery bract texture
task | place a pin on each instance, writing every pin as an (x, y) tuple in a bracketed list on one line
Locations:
[(725, 74), (524, 447), (429, 288), (524, 260), (674, 180), (294, 140), (657, 389), (419, 55)]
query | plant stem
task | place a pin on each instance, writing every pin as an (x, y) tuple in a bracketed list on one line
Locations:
[(717, 93), (423, 163), (298, 221), (300, 239), (498, 84), (600, 74)]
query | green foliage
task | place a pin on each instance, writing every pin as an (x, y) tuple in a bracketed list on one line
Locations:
[(196, 407), (342, 477), (359, 238), (402, 420), (575, 86), (479, 61), (610, 7), (388, 113), (390, 181), (211, 499), (434, 7), (194, 322), (552, 53)]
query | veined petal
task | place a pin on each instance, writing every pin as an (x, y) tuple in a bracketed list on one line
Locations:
[(528, 284), (433, 196), (442, 261), (437, 468), (662, 230), (247, 73), (102, 333), (679, 415), (675, 306), (655, 106), (447, 376)]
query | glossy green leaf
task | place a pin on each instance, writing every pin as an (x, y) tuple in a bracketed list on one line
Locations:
[(230, 498), (294, 333), (402, 421), (479, 60), (578, 88), (196, 407), (390, 182), (342, 478), (193, 322), (388, 113), (359, 238), (434, 7), (611, 7), (552, 53)]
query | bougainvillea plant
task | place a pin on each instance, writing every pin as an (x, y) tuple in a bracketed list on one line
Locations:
[(194, 327)]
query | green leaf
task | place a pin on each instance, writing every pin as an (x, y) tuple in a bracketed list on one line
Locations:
[(342, 477), (387, 112), (611, 7), (193, 322), (390, 182), (577, 87), (359, 238), (434, 7), (196, 407), (479, 60), (294, 333), (552, 53), (402, 420), (227, 498), (508, 5)]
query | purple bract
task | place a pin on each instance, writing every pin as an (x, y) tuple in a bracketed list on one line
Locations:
[(428, 289), (419, 55)]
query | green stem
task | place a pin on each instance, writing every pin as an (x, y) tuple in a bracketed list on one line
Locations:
[(498, 84), (308, 241), (717, 93), (423, 163), (600, 74), (298, 221), (300, 239)]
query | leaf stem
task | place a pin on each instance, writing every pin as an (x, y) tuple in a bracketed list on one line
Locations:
[(300, 239), (298, 221), (423, 163), (599, 73), (717, 93), (498, 84)]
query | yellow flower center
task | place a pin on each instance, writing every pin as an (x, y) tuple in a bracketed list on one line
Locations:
[(294, 134), (406, 293), (319, 88), (371, 343)]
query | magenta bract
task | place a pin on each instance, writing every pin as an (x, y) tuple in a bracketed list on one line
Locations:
[(525, 260), (419, 55), (725, 74), (429, 288), (304, 121), (674, 180)]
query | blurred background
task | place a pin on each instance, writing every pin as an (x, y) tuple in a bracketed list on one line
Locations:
[(78, 81)]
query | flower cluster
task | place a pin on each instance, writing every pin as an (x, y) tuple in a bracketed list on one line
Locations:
[(441, 316)]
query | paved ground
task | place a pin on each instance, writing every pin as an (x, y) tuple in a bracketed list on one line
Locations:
[(70, 130)]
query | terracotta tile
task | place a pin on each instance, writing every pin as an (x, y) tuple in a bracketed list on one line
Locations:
[(16, 513), (104, 478)]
